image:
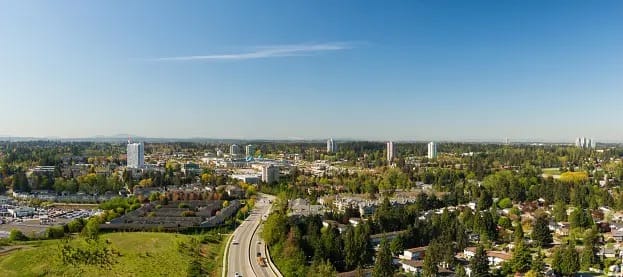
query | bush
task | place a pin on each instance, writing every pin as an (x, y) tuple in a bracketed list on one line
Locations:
[(135, 206), (75, 226), (17, 235), (55, 232), (505, 203), (183, 206), (188, 213)]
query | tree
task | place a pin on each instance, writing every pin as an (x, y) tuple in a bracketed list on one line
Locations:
[(560, 211), (383, 265), (580, 218), (485, 201), (565, 260), (522, 258), (540, 231), (479, 263), (518, 233), (505, 203), (357, 248), (430, 263), (397, 245), (17, 235), (321, 269), (91, 229), (587, 257), (538, 263), (460, 271)]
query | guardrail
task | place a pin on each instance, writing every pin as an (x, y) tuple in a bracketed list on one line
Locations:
[(226, 256), (271, 265)]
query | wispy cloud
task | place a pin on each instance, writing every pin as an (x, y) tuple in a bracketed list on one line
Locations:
[(264, 52)]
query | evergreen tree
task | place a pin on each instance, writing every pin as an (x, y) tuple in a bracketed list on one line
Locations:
[(479, 264), (565, 260), (587, 257), (518, 233), (522, 258), (430, 267), (538, 263), (460, 271), (383, 266), (540, 231)]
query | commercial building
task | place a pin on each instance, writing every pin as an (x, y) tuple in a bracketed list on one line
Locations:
[(249, 150), (191, 168), (247, 178), (331, 146), (270, 174), (432, 150), (391, 152), (136, 155), (234, 150)]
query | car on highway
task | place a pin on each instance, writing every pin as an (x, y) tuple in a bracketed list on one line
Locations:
[(237, 274), (234, 242)]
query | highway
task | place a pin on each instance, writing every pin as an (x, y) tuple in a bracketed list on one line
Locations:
[(246, 243)]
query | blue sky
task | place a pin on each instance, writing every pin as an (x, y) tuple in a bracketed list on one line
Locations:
[(415, 70)]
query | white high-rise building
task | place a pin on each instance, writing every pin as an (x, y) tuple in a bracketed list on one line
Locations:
[(586, 143), (331, 146), (270, 174), (249, 150), (391, 152), (234, 150), (432, 150), (136, 155)]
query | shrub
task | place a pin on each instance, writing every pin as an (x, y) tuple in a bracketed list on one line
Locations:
[(505, 203), (54, 232), (17, 235), (183, 206), (188, 213), (75, 226)]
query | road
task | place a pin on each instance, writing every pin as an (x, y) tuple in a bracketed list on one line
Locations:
[(242, 257)]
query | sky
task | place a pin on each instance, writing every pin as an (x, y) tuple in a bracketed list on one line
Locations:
[(377, 70)]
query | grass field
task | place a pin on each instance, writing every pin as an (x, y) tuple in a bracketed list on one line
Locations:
[(551, 171), (142, 254)]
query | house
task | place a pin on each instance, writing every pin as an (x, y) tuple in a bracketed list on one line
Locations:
[(495, 257), (411, 266), (376, 239), (366, 210), (617, 234), (354, 221), (607, 252), (339, 226), (234, 191), (415, 254), (415, 267)]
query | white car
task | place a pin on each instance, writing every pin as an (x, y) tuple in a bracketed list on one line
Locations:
[(237, 274), (234, 242)]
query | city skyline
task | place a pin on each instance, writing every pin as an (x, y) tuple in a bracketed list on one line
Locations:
[(442, 71)]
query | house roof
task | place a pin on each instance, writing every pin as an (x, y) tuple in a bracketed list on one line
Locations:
[(416, 264), (417, 249)]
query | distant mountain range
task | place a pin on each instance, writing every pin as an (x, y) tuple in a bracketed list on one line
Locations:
[(118, 138)]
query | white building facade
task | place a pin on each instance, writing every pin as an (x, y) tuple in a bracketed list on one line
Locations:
[(270, 174), (432, 150), (136, 155), (391, 152), (331, 146)]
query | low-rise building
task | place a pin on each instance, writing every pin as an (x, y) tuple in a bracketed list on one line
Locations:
[(416, 253)]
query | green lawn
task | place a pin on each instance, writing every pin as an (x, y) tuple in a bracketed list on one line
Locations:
[(551, 171), (142, 254)]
